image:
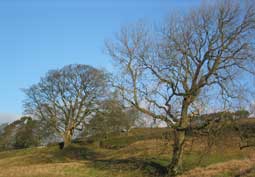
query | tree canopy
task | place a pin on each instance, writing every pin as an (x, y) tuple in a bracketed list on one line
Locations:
[(66, 97), (164, 73), (113, 118)]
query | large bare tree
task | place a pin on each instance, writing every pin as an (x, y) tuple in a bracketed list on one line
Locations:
[(164, 73), (65, 97)]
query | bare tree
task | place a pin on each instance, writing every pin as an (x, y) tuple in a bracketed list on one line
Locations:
[(64, 98), (163, 73)]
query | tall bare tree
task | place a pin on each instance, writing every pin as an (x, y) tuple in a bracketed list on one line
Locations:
[(163, 73), (65, 97)]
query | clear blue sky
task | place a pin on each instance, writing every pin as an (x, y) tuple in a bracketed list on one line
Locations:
[(39, 35)]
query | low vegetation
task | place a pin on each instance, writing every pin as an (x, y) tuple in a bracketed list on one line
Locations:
[(145, 156)]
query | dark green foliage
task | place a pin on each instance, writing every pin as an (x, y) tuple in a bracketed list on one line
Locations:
[(22, 133), (112, 119), (7, 138), (217, 118), (241, 114), (2, 126), (26, 135)]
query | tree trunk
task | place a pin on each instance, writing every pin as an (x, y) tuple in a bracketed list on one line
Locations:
[(68, 138), (175, 166), (176, 163)]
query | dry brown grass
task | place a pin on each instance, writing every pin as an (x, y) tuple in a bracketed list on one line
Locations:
[(71, 169), (135, 160), (230, 167), (43, 170), (51, 162), (140, 149)]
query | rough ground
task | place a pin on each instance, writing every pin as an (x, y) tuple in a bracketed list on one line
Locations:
[(140, 158)]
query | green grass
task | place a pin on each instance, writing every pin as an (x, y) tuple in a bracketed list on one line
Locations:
[(225, 174), (144, 153), (137, 134)]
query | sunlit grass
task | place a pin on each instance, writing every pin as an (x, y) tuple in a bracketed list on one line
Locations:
[(142, 158)]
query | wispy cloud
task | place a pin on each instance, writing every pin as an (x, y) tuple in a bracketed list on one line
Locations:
[(8, 117)]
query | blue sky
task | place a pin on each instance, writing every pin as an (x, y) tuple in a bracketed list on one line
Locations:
[(39, 35)]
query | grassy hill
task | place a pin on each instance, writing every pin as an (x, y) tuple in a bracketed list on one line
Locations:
[(144, 153)]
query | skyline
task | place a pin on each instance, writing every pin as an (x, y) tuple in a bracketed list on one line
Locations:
[(37, 36)]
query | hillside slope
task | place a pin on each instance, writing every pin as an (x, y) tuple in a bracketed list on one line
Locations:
[(145, 156)]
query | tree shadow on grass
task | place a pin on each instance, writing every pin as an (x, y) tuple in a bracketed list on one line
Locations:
[(81, 153), (55, 155), (74, 152), (150, 168)]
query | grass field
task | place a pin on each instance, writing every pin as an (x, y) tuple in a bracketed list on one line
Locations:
[(145, 156)]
